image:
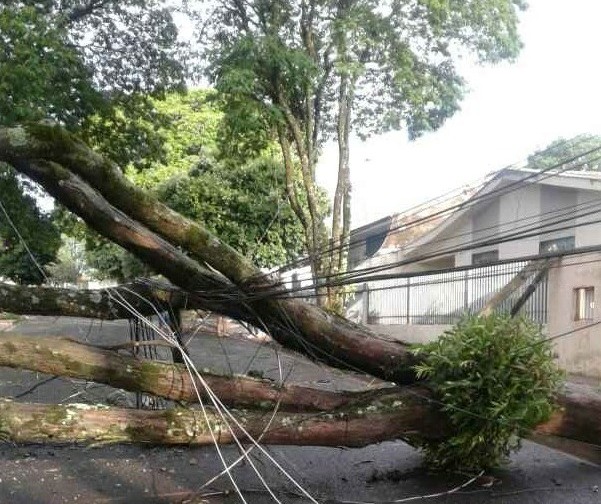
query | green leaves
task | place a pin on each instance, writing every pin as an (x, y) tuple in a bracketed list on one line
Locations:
[(244, 205), (36, 230), (496, 379), (41, 75), (558, 152)]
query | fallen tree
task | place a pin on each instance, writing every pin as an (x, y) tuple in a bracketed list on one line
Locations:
[(212, 276), (409, 412), (93, 303), (95, 189), (402, 416)]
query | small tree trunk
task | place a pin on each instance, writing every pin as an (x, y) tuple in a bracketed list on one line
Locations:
[(97, 304)]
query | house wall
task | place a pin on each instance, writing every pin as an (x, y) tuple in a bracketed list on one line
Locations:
[(580, 352), (588, 235), (520, 211), (520, 207)]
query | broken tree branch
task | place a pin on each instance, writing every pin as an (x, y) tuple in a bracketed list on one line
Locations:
[(541, 265), (291, 322), (98, 304)]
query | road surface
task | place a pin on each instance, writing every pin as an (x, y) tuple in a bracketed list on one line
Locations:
[(386, 472)]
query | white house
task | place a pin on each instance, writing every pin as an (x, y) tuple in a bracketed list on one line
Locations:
[(478, 244)]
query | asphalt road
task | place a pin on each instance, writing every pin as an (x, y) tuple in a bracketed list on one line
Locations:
[(386, 472)]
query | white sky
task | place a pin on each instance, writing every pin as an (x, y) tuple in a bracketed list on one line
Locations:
[(552, 91)]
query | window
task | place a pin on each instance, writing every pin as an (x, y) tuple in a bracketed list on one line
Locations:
[(557, 245), (584, 303), (373, 244), (296, 283), (485, 257)]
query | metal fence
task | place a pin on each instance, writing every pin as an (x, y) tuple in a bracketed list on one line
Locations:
[(443, 298)]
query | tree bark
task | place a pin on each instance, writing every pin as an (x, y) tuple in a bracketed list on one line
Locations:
[(410, 419), (578, 416), (64, 357), (92, 303), (41, 423), (293, 323)]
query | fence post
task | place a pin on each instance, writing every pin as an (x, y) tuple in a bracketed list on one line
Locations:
[(408, 301), (466, 293), (365, 296)]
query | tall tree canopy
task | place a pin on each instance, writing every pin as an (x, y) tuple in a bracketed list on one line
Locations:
[(316, 69), (91, 66), (241, 201), (200, 176)]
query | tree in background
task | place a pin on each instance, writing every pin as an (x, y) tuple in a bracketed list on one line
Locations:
[(70, 264), (29, 232), (582, 151), (205, 178), (240, 199), (317, 69)]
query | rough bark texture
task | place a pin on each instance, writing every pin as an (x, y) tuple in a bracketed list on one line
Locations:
[(293, 323), (39, 423), (578, 417), (64, 357), (98, 304)]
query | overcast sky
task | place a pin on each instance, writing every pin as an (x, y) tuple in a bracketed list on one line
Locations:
[(552, 91)]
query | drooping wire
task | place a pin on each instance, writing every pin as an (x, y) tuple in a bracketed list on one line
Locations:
[(534, 177)]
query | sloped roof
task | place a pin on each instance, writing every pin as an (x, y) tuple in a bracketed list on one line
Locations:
[(588, 180)]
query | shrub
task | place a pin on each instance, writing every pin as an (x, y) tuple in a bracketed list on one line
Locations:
[(497, 379)]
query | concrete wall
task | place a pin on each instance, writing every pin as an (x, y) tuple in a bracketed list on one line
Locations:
[(588, 235), (580, 352), (520, 208)]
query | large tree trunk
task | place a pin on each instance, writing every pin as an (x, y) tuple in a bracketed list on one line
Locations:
[(64, 357), (215, 277), (38, 423), (157, 231), (578, 417)]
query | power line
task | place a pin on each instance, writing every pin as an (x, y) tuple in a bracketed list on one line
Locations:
[(540, 218), (549, 171), (368, 274), (23, 242)]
